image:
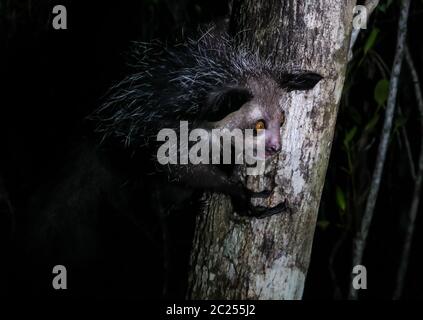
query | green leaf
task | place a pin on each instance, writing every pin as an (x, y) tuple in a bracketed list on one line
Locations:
[(372, 123), (323, 224), (340, 199), (400, 122), (349, 136), (355, 115), (384, 6), (381, 92), (371, 40)]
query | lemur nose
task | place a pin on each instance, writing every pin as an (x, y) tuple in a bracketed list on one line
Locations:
[(273, 148)]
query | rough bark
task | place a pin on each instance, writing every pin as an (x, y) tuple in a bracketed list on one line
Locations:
[(235, 258)]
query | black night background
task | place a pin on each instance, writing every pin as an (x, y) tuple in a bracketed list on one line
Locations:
[(53, 79)]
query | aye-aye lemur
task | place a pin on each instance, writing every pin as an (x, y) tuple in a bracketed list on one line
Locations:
[(212, 82)]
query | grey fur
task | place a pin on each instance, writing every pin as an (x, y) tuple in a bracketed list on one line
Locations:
[(172, 84)]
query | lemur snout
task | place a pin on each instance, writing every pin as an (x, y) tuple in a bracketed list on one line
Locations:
[(273, 149)]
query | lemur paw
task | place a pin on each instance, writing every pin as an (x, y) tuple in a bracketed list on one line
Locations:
[(260, 212)]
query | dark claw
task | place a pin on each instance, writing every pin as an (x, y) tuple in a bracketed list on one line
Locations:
[(262, 194), (260, 212), (242, 203)]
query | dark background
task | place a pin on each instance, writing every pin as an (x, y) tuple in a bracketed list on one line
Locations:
[(52, 79)]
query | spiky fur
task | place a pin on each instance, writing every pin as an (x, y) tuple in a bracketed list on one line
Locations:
[(172, 83)]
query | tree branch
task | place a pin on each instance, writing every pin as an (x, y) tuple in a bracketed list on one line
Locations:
[(370, 6), (402, 270), (360, 238)]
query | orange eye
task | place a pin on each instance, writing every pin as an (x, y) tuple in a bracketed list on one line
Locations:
[(260, 125)]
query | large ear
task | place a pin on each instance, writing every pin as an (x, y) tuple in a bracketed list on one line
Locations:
[(225, 100), (300, 80)]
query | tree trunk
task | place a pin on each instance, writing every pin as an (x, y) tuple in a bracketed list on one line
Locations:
[(234, 258)]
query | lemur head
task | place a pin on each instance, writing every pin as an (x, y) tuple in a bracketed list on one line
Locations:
[(257, 105)]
